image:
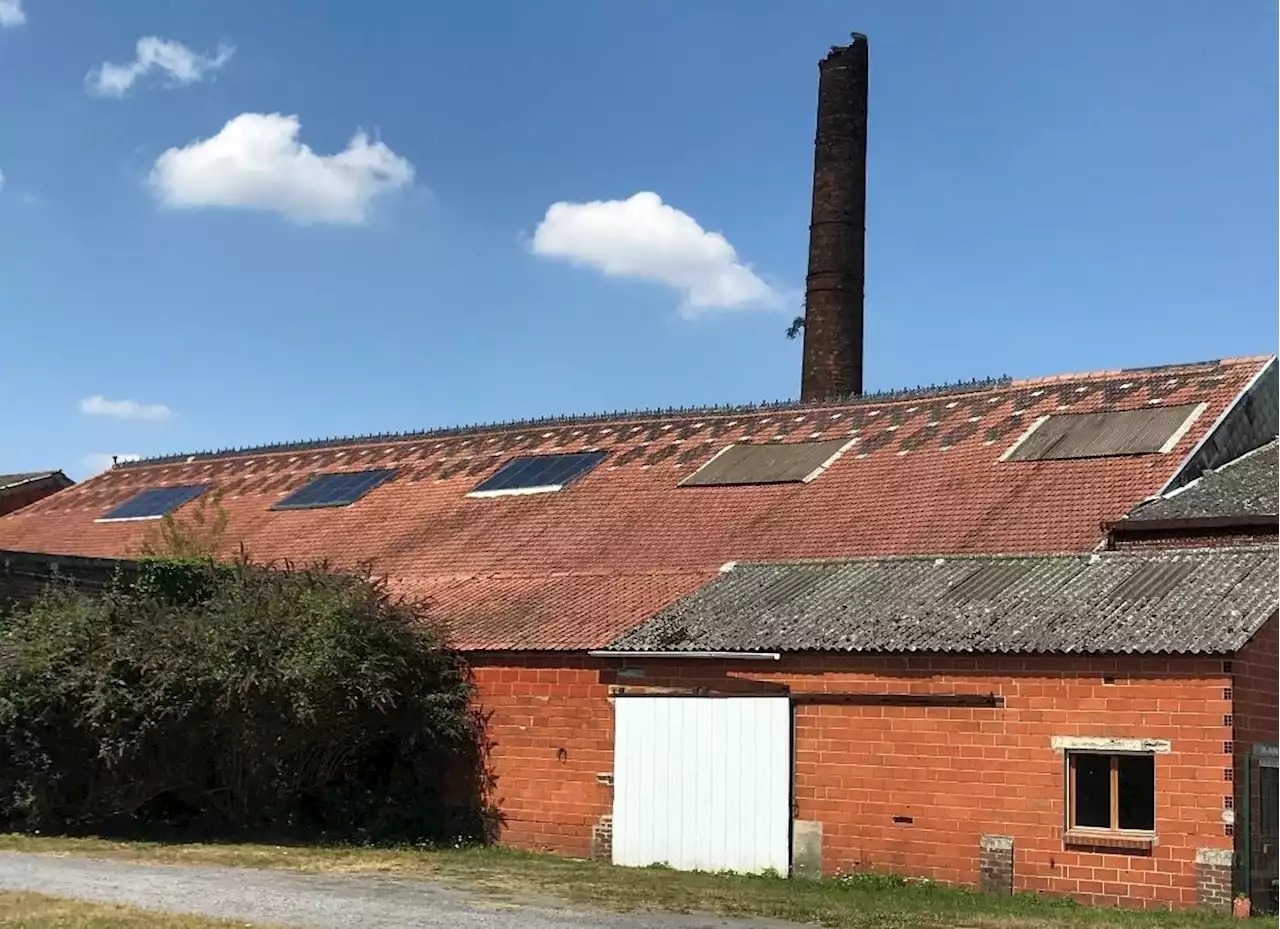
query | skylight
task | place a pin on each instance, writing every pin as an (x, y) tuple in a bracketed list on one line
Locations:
[(535, 474), (772, 463), (153, 503), (328, 490), (1147, 431)]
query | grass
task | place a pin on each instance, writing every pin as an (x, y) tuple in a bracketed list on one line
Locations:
[(855, 902), (36, 911)]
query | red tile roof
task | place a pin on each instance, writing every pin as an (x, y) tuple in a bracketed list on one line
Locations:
[(574, 569)]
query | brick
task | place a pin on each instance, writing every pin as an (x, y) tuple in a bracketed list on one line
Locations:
[(856, 769)]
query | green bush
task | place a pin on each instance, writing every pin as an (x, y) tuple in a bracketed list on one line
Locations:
[(235, 700)]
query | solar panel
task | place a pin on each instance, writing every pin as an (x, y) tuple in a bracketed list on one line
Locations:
[(154, 502), (341, 489), (535, 473)]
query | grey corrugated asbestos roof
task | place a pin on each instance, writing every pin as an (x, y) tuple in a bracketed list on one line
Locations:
[(1207, 601), (1244, 487)]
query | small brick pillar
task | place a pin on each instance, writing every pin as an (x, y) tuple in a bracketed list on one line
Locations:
[(602, 839), (1213, 878), (995, 864)]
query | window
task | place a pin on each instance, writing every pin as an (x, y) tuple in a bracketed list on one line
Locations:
[(534, 474), (1110, 795), (153, 503), (767, 463), (341, 489)]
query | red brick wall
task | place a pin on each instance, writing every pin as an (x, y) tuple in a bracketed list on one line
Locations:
[(538, 707), (960, 773)]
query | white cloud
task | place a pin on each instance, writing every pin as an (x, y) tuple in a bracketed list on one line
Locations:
[(642, 237), (11, 14), (257, 163), (1, 180), (99, 405), (97, 462), (181, 64)]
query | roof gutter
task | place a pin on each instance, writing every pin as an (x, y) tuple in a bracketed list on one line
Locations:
[(756, 656), (1242, 521)]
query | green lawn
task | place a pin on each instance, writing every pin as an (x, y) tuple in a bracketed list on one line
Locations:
[(861, 902)]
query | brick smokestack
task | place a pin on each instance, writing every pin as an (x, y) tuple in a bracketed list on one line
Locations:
[(832, 364)]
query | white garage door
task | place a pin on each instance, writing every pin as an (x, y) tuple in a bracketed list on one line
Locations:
[(702, 783)]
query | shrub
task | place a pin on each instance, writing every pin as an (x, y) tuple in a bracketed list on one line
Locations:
[(236, 700)]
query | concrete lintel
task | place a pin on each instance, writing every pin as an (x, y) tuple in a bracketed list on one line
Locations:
[(993, 843), (1072, 743), (1217, 857)]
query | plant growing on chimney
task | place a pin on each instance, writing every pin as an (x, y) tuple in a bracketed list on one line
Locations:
[(796, 325)]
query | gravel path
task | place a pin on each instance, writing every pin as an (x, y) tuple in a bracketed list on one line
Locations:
[(346, 901)]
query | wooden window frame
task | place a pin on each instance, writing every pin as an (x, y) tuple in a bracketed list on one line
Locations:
[(1112, 836)]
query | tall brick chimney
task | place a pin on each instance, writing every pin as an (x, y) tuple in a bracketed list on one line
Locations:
[(832, 364)]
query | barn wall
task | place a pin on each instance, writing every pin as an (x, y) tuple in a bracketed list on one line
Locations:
[(958, 773), (26, 494), (1256, 691)]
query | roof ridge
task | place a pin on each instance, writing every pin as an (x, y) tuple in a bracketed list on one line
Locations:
[(888, 395), (1149, 369), (882, 396), (934, 556), (1088, 557)]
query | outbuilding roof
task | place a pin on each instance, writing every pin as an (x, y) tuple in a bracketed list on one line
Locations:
[(604, 543), (1247, 486), (8, 481), (1183, 602)]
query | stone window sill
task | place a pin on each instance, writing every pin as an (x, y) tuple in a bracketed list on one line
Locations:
[(1105, 839)]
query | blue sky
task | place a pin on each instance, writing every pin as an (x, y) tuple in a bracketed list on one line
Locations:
[(1052, 187)]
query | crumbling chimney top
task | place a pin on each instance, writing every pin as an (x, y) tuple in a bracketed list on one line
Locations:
[(857, 39), (833, 307)]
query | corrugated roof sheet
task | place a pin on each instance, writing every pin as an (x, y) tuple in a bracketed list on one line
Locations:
[(1104, 433), (1247, 486), (987, 581), (1151, 581), (771, 463), (1201, 602)]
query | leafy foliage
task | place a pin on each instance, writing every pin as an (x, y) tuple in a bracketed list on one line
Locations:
[(232, 699), (201, 533)]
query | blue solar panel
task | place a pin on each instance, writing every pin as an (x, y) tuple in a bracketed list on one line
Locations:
[(540, 471), (155, 502), (341, 489)]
